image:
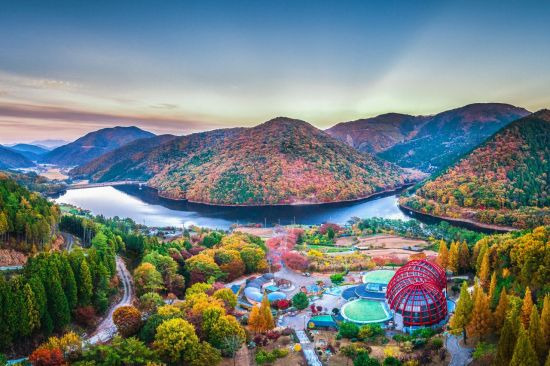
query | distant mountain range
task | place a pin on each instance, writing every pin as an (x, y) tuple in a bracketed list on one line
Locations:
[(10, 159), (93, 145), (505, 181), (31, 152), (282, 161), (427, 143)]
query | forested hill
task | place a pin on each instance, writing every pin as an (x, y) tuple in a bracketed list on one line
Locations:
[(93, 145), (282, 161), (505, 181), (446, 136), (13, 159), (26, 218)]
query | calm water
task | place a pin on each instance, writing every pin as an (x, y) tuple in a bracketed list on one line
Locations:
[(145, 207)]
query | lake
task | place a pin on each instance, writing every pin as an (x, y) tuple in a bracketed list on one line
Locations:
[(144, 206)]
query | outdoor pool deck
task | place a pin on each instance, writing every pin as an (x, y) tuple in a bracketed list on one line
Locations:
[(382, 276), (365, 311)]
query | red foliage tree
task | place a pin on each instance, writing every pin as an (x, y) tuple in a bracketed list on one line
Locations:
[(85, 316), (127, 320), (296, 261), (282, 304), (47, 357)]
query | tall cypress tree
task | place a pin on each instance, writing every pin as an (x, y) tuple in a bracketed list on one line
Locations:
[(506, 344), (463, 311), (32, 308), (535, 334), (526, 308), (5, 329), (524, 354), (69, 283), (58, 307), (85, 289), (545, 323)]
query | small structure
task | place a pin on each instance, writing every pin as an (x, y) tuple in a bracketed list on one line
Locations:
[(255, 288), (322, 322)]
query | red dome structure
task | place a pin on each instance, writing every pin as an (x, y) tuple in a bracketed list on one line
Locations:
[(416, 293)]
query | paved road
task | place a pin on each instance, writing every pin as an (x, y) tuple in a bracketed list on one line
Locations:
[(460, 356), (69, 240), (106, 329)]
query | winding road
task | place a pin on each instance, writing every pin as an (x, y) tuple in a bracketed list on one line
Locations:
[(106, 329), (460, 356)]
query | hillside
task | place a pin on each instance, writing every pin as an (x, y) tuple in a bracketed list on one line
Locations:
[(505, 181), (378, 133), (93, 145), (282, 161), (12, 159), (427, 143), (31, 152)]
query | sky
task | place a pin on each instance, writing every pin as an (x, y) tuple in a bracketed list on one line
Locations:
[(71, 67)]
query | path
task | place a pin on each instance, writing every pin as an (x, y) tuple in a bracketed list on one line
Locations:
[(69, 240), (308, 349), (106, 329), (460, 356)]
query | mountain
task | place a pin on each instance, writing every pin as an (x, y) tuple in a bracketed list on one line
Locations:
[(12, 159), (282, 161), (93, 145), (50, 144), (428, 143), (378, 133), (31, 152), (505, 181)]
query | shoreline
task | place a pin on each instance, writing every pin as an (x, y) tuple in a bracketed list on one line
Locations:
[(315, 204), (475, 224)]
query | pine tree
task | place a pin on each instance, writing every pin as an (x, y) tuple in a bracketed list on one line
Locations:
[(463, 311), (58, 308), (545, 323), (443, 255), (500, 312), (480, 322), (453, 258), (85, 288), (535, 334), (492, 288), (266, 315), (31, 306), (69, 283), (254, 319), (506, 343), (484, 270), (524, 354), (464, 257), (526, 308)]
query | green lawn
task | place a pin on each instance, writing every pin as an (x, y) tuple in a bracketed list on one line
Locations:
[(379, 276), (364, 311)]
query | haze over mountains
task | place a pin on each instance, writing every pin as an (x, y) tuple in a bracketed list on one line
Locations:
[(505, 181)]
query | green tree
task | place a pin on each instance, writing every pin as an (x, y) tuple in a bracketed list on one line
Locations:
[(31, 307), (300, 301), (506, 343), (535, 334), (348, 330), (524, 354), (463, 311), (147, 279), (85, 286)]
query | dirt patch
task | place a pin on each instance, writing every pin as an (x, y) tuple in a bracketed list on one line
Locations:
[(10, 257), (54, 174), (396, 253), (346, 241), (264, 233), (389, 242)]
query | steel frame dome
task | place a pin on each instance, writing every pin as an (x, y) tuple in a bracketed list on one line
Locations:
[(416, 292)]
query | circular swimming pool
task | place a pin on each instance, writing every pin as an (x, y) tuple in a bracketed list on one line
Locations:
[(364, 311)]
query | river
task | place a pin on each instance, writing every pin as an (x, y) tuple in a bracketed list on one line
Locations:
[(144, 206)]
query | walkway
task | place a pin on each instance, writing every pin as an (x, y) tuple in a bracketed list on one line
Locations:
[(308, 349), (460, 356)]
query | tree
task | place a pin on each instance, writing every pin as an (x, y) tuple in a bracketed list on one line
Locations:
[(31, 307), (46, 357), (230, 345), (369, 331), (300, 301), (363, 359), (492, 288), (526, 308), (176, 341), (464, 257), (348, 330), (262, 319), (545, 323), (500, 312), (149, 302), (506, 343), (443, 254), (227, 296), (524, 354), (453, 258), (349, 351), (85, 287), (463, 311), (485, 269), (535, 334), (147, 279), (121, 352), (480, 322), (127, 320)]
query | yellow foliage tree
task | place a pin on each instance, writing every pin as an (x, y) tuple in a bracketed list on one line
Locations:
[(492, 287), (480, 322), (526, 308), (500, 312), (545, 323), (453, 258), (261, 318), (443, 255), (484, 270)]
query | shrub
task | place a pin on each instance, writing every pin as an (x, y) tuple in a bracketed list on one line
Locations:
[(391, 361), (348, 330), (300, 301), (127, 320), (436, 343), (337, 278), (85, 316), (47, 357)]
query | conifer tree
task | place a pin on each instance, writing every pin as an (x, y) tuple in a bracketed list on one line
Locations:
[(500, 312), (506, 343), (480, 322), (463, 257), (453, 258), (524, 354), (463, 311), (85, 287), (526, 308), (545, 323), (261, 318), (31, 307), (535, 334), (58, 308), (443, 254), (484, 270), (492, 288), (69, 283)]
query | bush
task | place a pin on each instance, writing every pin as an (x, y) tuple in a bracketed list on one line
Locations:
[(348, 330), (85, 316), (370, 331), (436, 343), (300, 301), (337, 278), (127, 320), (392, 361)]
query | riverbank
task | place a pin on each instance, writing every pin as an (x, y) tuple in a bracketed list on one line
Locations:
[(466, 223)]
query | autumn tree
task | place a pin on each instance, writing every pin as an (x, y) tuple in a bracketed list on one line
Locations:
[(506, 342), (46, 357), (261, 320), (147, 279), (463, 311), (484, 270), (127, 320), (443, 254), (526, 308), (524, 354), (480, 322), (500, 312), (492, 288), (535, 334), (227, 296), (545, 323), (463, 257), (453, 257)]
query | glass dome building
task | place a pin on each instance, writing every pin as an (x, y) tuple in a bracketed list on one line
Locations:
[(416, 294)]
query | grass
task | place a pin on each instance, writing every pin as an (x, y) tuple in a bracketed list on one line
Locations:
[(327, 248), (365, 311), (379, 276)]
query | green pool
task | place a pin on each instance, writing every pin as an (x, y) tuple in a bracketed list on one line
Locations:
[(365, 311), (379, 276)]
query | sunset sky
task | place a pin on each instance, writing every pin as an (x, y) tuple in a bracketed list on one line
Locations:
[(67, 68)]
